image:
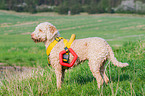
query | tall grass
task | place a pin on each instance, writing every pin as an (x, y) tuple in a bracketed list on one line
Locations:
[(128, 81)]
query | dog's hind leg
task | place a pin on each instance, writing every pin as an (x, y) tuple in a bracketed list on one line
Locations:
[(95, 69), (102, 71)]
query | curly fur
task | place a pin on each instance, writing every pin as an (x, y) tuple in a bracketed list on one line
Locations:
[(95, 49)]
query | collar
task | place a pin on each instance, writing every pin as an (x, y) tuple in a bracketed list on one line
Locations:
[(51, 45)]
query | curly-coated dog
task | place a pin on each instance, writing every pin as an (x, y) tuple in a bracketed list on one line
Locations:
[(96, 50)]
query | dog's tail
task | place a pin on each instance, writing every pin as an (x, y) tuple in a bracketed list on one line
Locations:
[(114, 60)]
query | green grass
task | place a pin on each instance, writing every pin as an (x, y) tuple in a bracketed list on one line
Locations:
[(124, 33), (17, 47)]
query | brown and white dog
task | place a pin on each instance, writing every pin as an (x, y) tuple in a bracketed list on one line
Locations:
[(96, 50)]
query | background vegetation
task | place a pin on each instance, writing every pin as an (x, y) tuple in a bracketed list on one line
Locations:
[(75, 6), (125, 34)]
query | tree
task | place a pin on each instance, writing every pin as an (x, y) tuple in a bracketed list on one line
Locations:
[(2, 4)]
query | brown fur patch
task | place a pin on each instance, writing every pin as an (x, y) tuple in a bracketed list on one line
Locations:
[(52, 29), (86, 44), (40, 30)]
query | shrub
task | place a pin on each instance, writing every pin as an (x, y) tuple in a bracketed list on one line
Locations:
[(91, 9), (64, 8), (61, 9), (32, 9), (75, 9), (18, 9), (45, 8), (130, 6)]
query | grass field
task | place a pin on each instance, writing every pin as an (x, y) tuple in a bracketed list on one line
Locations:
[(124, 33)]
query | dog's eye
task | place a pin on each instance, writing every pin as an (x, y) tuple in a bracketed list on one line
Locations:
[(40, 30)]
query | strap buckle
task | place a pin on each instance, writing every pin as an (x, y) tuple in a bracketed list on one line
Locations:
[(58, 39)]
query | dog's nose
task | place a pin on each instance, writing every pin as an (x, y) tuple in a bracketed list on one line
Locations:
[(32, 35)]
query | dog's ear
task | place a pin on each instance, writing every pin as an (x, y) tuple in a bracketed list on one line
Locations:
[(51, 32), (52, 29)]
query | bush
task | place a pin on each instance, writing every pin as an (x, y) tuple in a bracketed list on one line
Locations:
[(75, 9), (31, 9), (61, 9), (64, 8), (110, 10), (97, 8), (91, 9), (131, 7), (18, 9), (45, 8)]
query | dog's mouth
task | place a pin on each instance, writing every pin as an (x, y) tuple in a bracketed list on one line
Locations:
[(37, 40)]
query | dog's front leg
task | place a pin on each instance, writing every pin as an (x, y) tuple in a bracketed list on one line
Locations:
[(59, 76)]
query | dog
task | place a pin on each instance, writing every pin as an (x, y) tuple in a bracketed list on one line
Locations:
[(96, 50)]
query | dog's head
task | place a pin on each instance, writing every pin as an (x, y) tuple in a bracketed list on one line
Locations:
[(44, 31)]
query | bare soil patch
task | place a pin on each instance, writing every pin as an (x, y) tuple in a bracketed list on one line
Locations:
[(132, 27), (140, 26), (18, 24), (5, 24), (4, 67), (7, 72), (26, 23)]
